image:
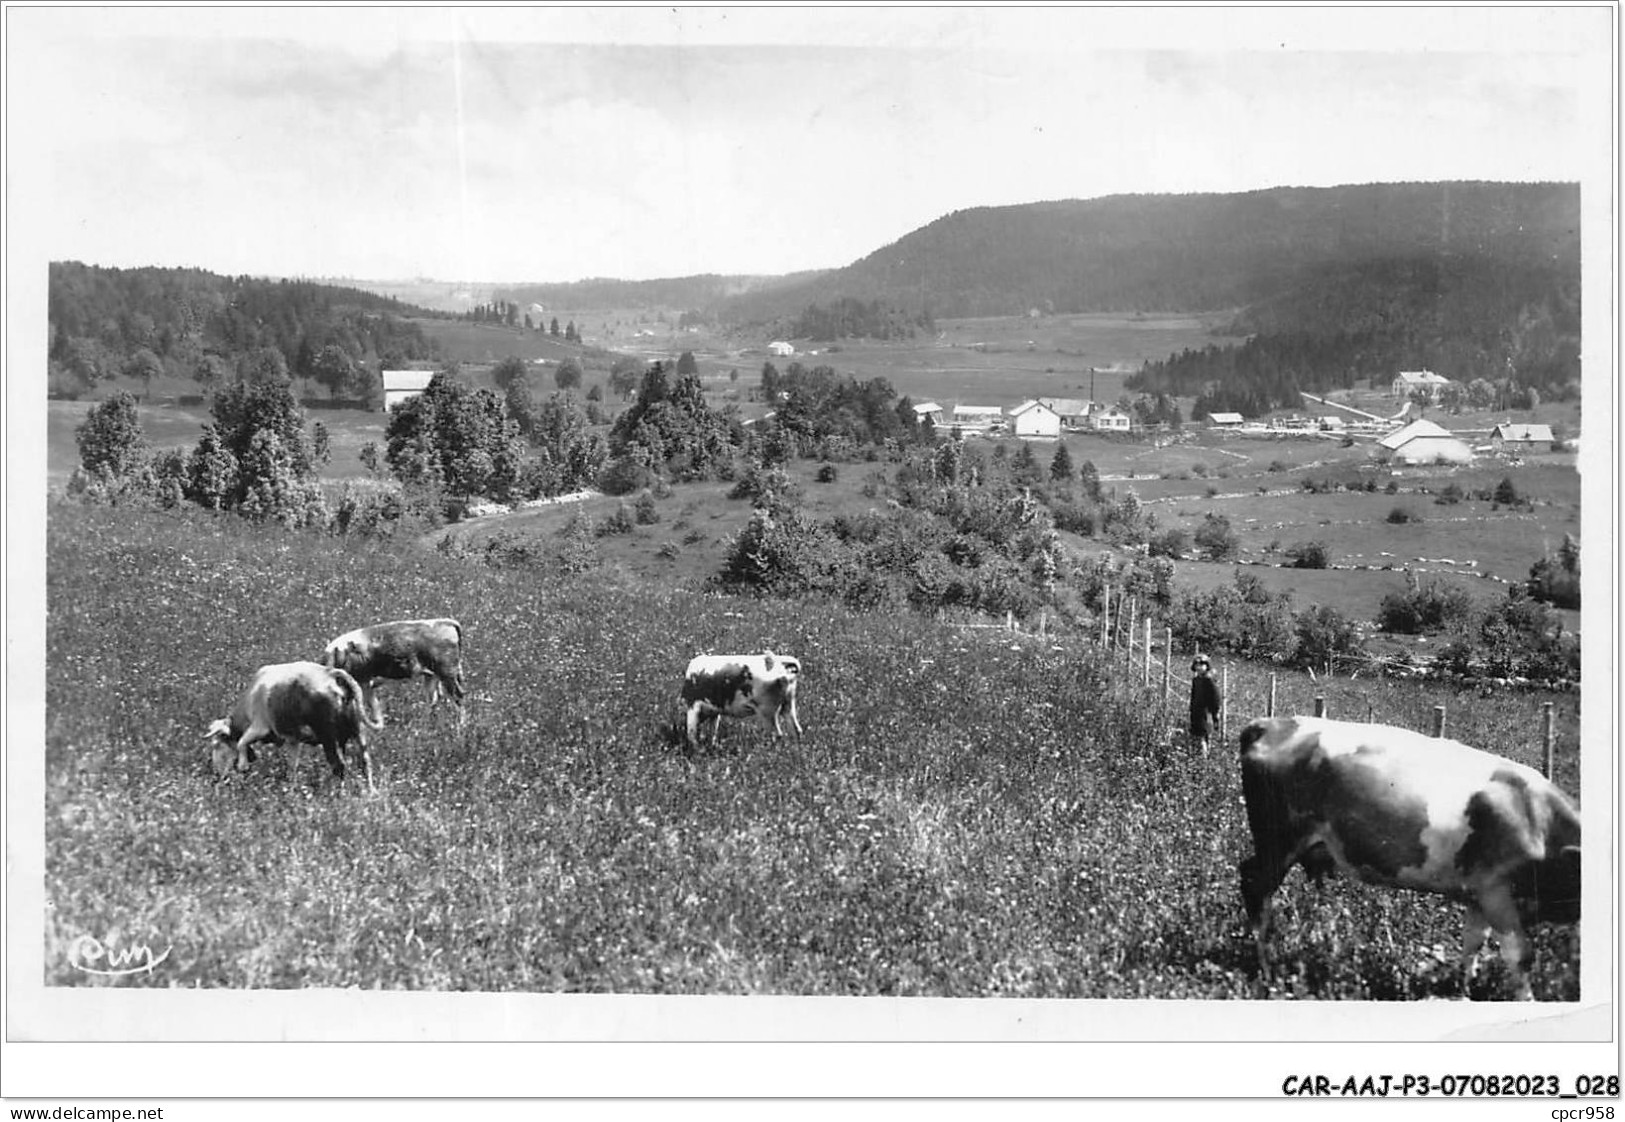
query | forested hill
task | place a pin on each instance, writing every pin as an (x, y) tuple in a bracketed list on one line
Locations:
[(1187, 252), (703, 293), (191, 323)]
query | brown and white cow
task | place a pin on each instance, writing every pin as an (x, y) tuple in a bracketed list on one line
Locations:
[(743, 685), (1395, 807), (297, 702), (399, 651)]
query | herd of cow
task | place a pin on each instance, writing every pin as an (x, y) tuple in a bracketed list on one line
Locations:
[(1385, 805)]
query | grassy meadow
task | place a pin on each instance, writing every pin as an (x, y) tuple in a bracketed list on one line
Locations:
[(971, 812)]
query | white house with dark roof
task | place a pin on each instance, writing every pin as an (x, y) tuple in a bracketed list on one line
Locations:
[(928, 410), (1224, 420), (1034, 418), (780, 349), (1110, 419), (403, 385)]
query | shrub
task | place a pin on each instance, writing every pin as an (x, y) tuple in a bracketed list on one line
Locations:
[(1308, 555), (1215, 538), (669, 550), (1323, 634), (1399, 516), (1555, 578), (111, 443), (1170, 543), (1425, 609), (625, 474), (1392, 488), (645, 510), (1450, 496), (827, 473), (580, 551), (621, 522), (1506, 493), (783, 552)]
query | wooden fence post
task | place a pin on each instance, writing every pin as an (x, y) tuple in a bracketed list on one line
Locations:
[(1550, 740), (1167, 669), (1145, 675), (1269, 710), (1224, 704), (1320, 705), (1438, 721), (1128, 634), (1105, 614)]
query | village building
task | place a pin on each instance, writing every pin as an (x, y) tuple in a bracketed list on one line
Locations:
[(781, 349), (1110, 419), (1423, 442), (1224, 420), (1034, 418), (928, 411), (978, 415), (1407, 382), (1521, 437), (403, 385), (1074, 412)]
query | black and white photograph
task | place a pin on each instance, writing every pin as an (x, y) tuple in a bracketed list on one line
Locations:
[(843, 527)]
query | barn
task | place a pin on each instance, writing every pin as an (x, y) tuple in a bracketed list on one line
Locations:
[(1034, 418), (928, 411), (1423, 442), (1224, 420), (1074, 412), (403, 385), (1509, 435), (781, 349)]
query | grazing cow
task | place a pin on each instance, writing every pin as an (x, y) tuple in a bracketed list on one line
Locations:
[(401, 650), (1394, 807), (755, 685), (296, 701)]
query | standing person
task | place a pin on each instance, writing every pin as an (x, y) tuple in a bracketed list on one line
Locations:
[(1204, 702)]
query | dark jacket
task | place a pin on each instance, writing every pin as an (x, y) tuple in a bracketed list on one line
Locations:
[(1204, 705)]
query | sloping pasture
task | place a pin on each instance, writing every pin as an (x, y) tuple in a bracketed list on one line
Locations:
[(970, 812)]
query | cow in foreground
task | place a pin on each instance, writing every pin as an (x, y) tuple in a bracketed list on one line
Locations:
[(754, 685), (399, 651), (298, 702), (1394, 807)]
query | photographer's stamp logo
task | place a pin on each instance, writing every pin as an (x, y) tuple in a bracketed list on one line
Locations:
[(108, 958)]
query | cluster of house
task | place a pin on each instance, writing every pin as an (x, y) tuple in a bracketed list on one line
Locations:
[(1038, 417)]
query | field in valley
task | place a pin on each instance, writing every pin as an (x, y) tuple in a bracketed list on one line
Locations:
[(971, 812)]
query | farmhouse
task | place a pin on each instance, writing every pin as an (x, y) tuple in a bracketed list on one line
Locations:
[(1520, 436), (781, 349), (1229, 421), (1423, 442), (403, 385), (928, 411), (1034, 418), (1074, 412), (1407, 382), (536, 312), (1110, 419)]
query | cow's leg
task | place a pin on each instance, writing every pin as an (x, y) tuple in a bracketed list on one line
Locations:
[(245, 755), (1473, 932), (365, 756), (1261, 875), (795, 719), (1497, 906), (335, 758), (451, 685), (693, 724), (369, 698)]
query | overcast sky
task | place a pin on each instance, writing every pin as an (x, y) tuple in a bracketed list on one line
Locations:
[(556, 144)]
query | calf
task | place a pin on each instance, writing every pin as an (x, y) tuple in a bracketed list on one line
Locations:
[(296, 701), (400, 651), (1394, 807), (755, 685)]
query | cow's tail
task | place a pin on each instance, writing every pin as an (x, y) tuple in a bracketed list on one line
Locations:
[(354, 700)]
